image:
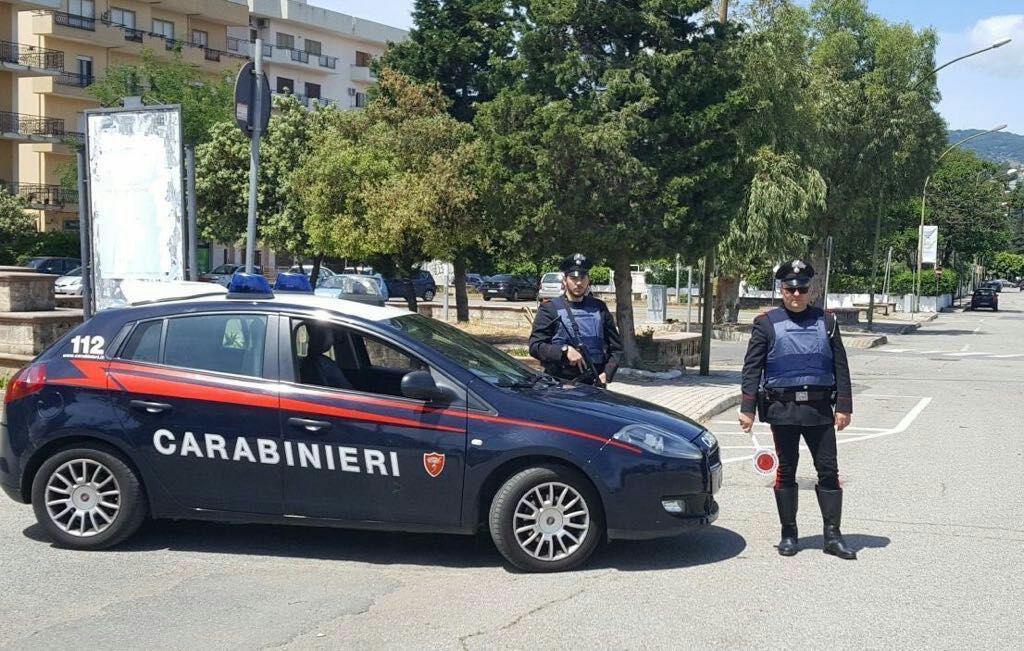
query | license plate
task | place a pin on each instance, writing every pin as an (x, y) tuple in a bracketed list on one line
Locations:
[(716, 479), (801, 396)]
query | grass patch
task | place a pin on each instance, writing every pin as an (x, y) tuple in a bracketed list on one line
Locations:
[(497, 334)]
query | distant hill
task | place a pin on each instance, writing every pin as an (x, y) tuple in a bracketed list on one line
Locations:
[(1000, 147)]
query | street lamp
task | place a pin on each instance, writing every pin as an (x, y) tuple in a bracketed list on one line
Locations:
[(997, 44), (924, 199)]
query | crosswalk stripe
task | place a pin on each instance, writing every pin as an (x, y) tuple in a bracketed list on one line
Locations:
[(1008, 356)]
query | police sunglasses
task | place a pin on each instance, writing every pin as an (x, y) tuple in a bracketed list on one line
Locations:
[(796, 290)]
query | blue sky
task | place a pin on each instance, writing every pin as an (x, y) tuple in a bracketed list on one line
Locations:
[(980, 92)]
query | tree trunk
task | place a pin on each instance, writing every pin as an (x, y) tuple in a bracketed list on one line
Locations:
[(624, 309), (727, 300), (461, 297), (314, 275), (819, 261)]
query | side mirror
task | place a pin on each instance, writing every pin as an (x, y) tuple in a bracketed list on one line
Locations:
[(420, 385)]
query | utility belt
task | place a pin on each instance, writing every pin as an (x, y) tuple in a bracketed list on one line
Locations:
[(768, 396)]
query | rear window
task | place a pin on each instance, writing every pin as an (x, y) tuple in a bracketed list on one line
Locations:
[(500, 279), (552, 278), (223, 343)]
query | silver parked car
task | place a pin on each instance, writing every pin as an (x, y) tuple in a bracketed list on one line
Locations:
[(351, 287), (550, 286), (70, 284)]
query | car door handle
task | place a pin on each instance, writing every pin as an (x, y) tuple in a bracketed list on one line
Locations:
[(150, 407), (310, 425)]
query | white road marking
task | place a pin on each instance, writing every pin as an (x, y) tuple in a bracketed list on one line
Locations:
[(893, 350), (885, 395), (1007, 356), (966, 347), (901, 427), (965, 354)]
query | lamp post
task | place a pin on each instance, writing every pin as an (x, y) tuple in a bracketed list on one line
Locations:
[(997, 44), (924, 199)]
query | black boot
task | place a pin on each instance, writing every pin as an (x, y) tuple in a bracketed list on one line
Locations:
[(786, 501), (831, 503)]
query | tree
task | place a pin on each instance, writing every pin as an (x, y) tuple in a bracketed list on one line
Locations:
[(222, 179), (1007, 265), (1015, 210), (17, 227), (205, 100), (616, 137), (395, 180)]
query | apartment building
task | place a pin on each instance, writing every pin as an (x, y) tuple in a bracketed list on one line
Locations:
[(314, 53), (90, 36)]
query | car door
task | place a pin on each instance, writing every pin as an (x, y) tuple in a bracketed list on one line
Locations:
[(198, 399), (356, 448)]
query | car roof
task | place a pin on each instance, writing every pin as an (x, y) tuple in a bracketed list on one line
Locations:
[(283, 300)]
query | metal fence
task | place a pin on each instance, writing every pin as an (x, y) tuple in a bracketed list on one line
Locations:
[(74, 20), (32, 125), (74, 79), (28, 55), (42, 195)]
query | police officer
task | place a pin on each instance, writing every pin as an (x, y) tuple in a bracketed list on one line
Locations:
[(574, 336), (797, 362)]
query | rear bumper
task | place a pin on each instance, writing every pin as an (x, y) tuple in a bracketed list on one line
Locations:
[(10, 469)]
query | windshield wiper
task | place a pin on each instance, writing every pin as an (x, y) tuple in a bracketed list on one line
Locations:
[(528, 383)]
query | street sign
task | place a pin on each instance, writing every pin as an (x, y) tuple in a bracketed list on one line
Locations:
[(929, 244), (245, 100)]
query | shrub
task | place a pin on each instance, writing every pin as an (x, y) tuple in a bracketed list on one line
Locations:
[(600, 275)]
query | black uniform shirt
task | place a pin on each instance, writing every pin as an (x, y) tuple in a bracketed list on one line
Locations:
[(792, 413), (545, 327)]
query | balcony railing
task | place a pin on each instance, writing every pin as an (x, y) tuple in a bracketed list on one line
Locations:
[(87, 23), (40, 195), (211, 55), (28, 55), (328, 62), (268, 50), (300, 55), (132, 35), (75, 79), (31, 125)]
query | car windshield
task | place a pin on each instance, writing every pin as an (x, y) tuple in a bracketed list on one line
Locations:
[(35, 263), (224, 269), (503, 278), (982, 292), (77, 271), (349, 284), (480, 358), (552, 278)]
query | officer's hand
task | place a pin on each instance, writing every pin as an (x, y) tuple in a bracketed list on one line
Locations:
[(746, 422), (842, 420), (603, 378), (574, 357)]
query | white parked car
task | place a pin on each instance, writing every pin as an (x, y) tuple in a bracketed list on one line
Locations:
[(69, 284), (550, 286)]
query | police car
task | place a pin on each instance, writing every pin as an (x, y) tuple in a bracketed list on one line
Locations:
[(291, 408)]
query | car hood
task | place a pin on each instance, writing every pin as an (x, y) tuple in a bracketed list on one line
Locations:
[(587, 402), (68, 280)]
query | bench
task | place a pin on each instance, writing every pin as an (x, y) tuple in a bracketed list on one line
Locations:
[(846, 315), (885, 306)]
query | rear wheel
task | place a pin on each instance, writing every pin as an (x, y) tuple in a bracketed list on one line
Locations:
[(486, 297), (515, 295), (428, 295), (546, 519), (87, 498)]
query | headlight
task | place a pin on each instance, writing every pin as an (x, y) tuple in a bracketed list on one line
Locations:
[(656, 440)]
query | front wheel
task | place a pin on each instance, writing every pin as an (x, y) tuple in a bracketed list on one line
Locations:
[(546, 519), (87, 498), (515, 295), (486, 297), (428, 295)]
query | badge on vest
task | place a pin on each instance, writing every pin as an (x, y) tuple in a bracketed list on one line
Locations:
[(801, 396)]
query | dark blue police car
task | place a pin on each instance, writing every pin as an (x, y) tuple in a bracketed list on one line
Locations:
[(250, 407)]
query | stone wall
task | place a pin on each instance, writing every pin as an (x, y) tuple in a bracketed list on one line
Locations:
[(26, 292)]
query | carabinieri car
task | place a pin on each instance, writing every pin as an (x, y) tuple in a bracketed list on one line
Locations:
[(249, 407)]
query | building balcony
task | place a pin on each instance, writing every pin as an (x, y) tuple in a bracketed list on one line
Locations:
[(65, 84), (293, 58), (32, 128), (44, 197), (28, 59), (72, 27), (363, 74)]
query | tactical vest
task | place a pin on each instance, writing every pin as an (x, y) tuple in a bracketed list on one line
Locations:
[(800, 355), (588, 317)]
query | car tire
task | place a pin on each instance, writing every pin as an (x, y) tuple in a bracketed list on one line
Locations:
[(428, 296), (100, 474), (530, 487), (515, 295), (486, 297)]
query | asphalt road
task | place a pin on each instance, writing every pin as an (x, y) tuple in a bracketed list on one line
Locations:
[(934, 487)]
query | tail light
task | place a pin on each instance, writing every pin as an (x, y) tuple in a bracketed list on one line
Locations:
[(25, 382)]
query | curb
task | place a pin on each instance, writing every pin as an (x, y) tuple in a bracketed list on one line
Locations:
[(861, 343), (722, 404)]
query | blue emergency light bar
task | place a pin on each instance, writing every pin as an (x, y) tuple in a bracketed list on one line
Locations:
[(293, 282), (245, 285)]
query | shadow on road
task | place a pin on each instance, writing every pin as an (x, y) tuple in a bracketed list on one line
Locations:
[(386, 548), (856, 541)]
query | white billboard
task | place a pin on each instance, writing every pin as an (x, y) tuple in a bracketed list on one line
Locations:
[(136, 207), (929, 244)]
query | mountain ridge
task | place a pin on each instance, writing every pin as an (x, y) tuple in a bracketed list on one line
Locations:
[(1001, 147)]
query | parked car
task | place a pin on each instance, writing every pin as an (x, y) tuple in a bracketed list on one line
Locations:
[(422, 284), (55, 266), (512, 288), (985, 297), (474, 281), (352, 287), (325, 272), (550, 286), (222, 274), (994, 285), (70, 284)]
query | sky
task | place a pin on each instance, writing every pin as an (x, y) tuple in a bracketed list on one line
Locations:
[(978, 93)]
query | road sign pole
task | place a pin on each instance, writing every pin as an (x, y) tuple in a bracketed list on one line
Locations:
[(85, 234), (689, 296), (190, 202), (254, 157)]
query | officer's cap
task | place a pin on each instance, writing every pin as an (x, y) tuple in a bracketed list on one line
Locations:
[(795, 273), (576, 265)]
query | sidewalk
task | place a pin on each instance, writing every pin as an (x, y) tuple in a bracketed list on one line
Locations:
[(697, 397)]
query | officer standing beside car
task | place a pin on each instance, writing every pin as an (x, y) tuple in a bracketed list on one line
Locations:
[(574, 335), (794, 372)]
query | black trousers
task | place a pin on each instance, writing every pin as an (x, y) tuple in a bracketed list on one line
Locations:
[(820, 439)]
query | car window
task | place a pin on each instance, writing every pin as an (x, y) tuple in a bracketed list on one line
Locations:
[(144, 344), (223, 269), (226, 343), (329, 355), (551, 278)]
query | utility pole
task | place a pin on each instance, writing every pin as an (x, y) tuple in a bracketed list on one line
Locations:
[(190, 203), (874, 262), (85, 234), (709, 268), (254, 157)]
